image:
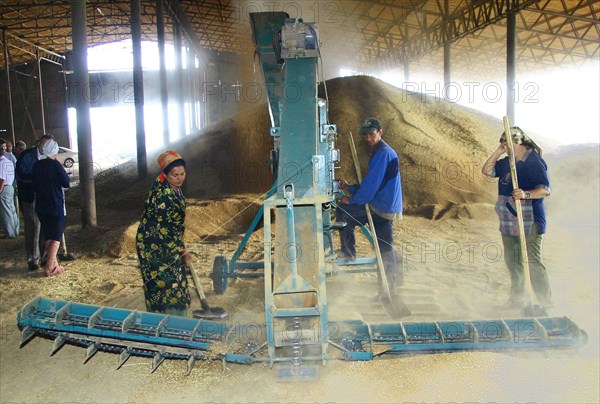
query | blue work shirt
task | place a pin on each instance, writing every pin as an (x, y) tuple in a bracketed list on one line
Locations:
[(382, 186), (532, 172)]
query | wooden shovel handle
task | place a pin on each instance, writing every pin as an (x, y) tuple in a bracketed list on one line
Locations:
[(380, 266), (197, 283), (515, 183)]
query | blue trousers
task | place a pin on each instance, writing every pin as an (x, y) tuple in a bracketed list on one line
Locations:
[(356, 215)]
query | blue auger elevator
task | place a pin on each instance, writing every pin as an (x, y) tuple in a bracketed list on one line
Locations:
[(294, 255)]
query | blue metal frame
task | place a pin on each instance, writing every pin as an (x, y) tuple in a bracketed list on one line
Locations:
[(234, 265)]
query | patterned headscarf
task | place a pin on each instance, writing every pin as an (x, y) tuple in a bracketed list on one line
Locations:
[(165, 161), (521, 138)]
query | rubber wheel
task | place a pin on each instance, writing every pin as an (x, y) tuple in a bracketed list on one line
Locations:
[(69, 163), (219, 274)]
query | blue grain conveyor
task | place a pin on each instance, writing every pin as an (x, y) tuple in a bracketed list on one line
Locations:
[(160, 336)]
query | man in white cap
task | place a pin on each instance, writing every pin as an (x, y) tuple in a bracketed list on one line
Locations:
[(49, 179), (26, 195)]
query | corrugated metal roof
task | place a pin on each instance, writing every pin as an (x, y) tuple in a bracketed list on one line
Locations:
[(354, 34)]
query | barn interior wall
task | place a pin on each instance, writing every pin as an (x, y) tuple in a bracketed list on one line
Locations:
[(219, 92), (27, 113)]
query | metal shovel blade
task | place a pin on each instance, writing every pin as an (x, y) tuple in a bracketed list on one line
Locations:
[(209, 312), (213, 312), (66, 257)]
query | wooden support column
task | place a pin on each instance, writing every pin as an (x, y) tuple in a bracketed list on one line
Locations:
[(82, 105)]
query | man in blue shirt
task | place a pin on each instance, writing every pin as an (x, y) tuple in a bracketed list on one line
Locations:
[(382, 190)]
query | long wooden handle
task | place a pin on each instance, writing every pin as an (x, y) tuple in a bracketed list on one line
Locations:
[(64, 244), (380, 266), (197, 283), (515, 184)]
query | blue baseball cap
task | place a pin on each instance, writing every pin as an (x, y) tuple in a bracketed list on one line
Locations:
[(369, 124)]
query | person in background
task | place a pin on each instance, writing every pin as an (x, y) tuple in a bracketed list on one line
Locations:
[(382, 190), (24, 174), (9, 153), (534, 185), (9, 220), (159, 240), (19, 147), (49, 179)]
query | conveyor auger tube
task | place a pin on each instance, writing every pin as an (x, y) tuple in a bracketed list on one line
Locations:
[(160, 336)]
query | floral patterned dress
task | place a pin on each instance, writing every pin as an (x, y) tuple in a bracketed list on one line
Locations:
[(159, 243)]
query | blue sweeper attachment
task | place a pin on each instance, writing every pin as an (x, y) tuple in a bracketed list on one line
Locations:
[(160, 336)]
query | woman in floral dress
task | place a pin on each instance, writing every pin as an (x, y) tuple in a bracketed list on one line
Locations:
[(159, 240)]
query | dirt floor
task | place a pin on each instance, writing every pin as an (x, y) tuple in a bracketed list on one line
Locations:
[(452, 262)]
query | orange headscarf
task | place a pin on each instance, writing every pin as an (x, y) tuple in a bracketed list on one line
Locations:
[(163, 161)]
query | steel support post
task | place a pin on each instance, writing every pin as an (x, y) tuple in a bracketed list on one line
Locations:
[(447, 70), (38, 60), (204, 108), (82, 105), (8, 89), (190, 88), (406, 64), (447, 53), (177, 42), (196, 94), (511, 66), (164, 94), (138, 88)]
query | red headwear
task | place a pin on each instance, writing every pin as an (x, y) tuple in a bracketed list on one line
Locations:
[(163, 161)]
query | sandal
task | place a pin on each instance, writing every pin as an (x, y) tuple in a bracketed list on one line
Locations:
[(56, 271)]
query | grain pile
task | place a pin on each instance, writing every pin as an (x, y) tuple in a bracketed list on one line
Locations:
[(441, 148)]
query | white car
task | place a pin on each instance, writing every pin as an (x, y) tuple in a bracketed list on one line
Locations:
[(66, 157)]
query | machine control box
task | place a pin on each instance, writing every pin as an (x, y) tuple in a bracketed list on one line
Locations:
[(299, 39)]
